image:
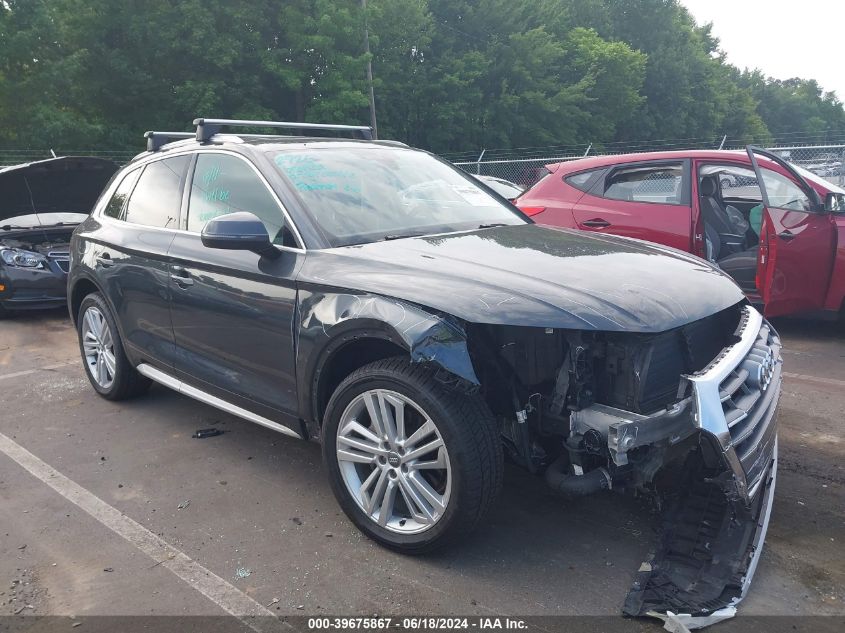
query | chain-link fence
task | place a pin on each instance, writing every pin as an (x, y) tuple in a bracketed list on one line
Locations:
[(826, 161), (523, 167)]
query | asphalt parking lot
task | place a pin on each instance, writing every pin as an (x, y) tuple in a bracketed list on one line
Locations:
[(253, 509)]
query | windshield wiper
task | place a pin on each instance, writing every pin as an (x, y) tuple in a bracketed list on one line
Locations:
[(492, 225), (12, 227), (400, 236), (49, 226)]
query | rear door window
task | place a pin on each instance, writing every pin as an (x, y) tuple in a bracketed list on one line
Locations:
[(655, 184), (157, 197), (117, 203), (226, 184)]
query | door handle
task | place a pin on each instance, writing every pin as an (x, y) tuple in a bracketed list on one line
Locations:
[(787, 235), (596, 223), (104, 260), (181, 277)]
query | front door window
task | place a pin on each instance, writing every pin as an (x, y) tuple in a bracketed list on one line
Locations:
[(227, 184)]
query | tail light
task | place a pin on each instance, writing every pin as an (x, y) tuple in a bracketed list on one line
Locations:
[(531, 210)]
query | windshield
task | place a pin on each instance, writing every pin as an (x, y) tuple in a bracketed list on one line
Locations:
[(359, 195)]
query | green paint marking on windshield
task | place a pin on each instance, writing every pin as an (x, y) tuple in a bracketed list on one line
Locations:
[(308, 174)]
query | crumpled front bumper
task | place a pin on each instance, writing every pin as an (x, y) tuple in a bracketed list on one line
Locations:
[(713, 533)]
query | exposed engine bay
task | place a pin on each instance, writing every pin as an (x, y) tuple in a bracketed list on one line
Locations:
[(36, 250), (571, 384), (39, 240), (685, 417)]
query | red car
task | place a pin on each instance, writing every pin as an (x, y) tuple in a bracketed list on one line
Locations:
[(776, 228)]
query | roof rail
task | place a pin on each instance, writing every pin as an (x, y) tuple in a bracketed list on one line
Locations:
[(206, 128), (156, 139)]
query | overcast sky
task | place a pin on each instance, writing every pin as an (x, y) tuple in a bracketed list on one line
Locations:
[(783, 39)]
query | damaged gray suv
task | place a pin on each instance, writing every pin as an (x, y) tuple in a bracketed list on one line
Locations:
[(375, 298)]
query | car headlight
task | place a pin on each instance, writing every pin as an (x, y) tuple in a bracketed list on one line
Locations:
[(22, 259)]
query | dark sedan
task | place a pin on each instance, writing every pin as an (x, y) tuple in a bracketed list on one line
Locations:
[(40, 205)]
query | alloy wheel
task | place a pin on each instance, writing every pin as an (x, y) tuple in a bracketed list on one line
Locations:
[(98, 347), (394, 461)]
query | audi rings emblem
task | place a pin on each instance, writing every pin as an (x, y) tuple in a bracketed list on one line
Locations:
[(760, 365), (767, 370)]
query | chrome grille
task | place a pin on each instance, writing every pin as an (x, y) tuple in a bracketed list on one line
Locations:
[(749, 395), (736, 399)]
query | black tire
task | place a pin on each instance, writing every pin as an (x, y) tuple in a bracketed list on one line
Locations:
[(127, 382), (468, 431)]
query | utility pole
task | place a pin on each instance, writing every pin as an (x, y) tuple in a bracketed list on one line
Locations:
[(369, 72)]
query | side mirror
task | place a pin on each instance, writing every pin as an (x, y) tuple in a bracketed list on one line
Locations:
[(239, 231), (834, 202)]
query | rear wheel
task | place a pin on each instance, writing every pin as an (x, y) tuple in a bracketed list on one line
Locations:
[(412, 463), (106, 365)]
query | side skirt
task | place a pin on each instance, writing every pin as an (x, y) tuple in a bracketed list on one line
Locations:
[(177, 385)]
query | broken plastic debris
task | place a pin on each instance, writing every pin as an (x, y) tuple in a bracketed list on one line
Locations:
[(204, 433), (684, 622), (184, 504), (243, 572)]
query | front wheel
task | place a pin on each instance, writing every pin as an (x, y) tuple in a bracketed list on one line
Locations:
[(412, 463), (109, 371)]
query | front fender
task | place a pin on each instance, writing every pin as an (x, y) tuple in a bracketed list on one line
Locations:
[(329, 320)]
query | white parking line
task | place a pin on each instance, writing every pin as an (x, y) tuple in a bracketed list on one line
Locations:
[(821, 381), (223, 594), (27, 372)]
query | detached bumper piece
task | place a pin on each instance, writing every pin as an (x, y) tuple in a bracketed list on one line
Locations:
[(716, 522), (708, 555)]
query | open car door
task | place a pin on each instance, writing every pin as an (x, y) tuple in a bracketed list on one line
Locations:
[(796, 249)]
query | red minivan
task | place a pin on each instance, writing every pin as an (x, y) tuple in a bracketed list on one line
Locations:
[(776, 228)]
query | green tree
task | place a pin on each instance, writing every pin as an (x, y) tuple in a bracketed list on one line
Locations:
[(450, 75)]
